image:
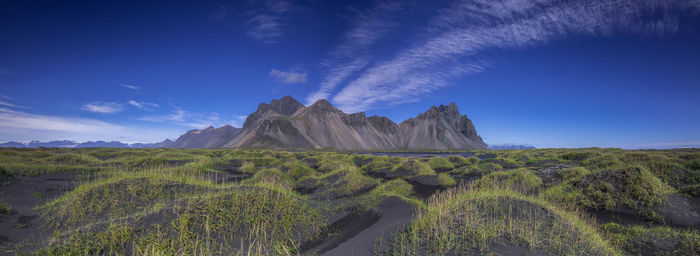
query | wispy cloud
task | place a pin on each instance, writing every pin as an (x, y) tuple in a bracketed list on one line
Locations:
[(133, 87), (176, 116), (189, 119), (6, 101), (265, 28), (148, 106), (22, 120), (289, 77), (458, 35), (352, 54), (104, 107), (18, 125), (265, 23)]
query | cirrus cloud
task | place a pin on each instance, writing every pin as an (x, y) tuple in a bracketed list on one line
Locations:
[(18, 125), (458, 35), (104, 107)]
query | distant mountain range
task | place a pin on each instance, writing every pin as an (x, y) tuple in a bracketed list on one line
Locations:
[(73, 144), (286, 123), (511, 146)]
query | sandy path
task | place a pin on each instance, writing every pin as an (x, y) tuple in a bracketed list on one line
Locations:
[(394, 214), (21, 226)]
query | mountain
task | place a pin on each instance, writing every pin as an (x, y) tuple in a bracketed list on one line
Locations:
[(286, 123), (440, 127), (36, 144), (13, 144), (206, 138), (511, 146), (102, 144), (167, 143), (52, 144), (87, 144)]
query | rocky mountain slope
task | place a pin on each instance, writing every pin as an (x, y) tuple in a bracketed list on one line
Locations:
[(286, 123), (206, 138), (440, 127)]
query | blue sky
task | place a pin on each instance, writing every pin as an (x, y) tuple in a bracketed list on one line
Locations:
[(620, 73)]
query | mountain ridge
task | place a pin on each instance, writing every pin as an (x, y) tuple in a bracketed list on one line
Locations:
[(286, 123)]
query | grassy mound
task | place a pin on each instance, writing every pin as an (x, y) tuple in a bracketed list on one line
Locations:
[(378, 165), (330, 162), (459, 161), (521, 180), (410, 168), (393, 188), (272, 176), (507, 163), (479, 169), (602, 162), (121, 195), (346, 181), (614, 190), (463, 222), (578, 155), (571, 173), (249, 220), (297, 169), (640, 240), (440, 164)]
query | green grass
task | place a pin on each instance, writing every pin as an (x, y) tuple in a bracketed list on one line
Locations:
[(465, 222), (396, 187), (165, 202), (272, 176), (578, 155), (346, 181), (660, 240), (459, 161), (571, 173), (6, 175), (410, 168), (633, 187), (479, 169), (520, 180), (5, 208), (193, 215), (378, 164), (445, 180), (440, 164), (297, 169)]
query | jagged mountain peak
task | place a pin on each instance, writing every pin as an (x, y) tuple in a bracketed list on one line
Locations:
[(441, 110), (322, 106), (286, 105), (441, 127)]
